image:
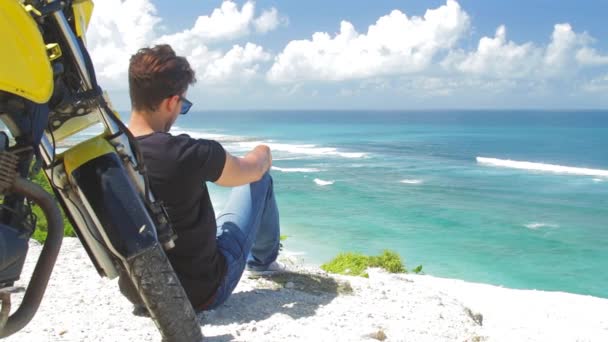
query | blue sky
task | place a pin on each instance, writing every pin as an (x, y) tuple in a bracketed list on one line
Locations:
[(366, 54)]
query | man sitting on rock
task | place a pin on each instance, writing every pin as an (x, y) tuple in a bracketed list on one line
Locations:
[(210, 254)]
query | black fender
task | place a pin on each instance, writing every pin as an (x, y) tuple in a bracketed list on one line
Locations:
[(126, 226)]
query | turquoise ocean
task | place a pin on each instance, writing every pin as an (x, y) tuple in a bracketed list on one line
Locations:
[(511, 198)]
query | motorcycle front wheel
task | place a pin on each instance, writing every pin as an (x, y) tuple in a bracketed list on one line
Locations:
[(157, 285)]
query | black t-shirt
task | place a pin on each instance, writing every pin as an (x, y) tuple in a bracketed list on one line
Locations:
[(178, 167)]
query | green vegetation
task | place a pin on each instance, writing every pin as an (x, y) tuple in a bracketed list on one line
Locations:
[(40, 233), (281, 239), (418, 269), (356, 264), (389, 260)]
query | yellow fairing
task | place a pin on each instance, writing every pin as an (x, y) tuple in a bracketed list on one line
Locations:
[(25, 69), (85, 151), (83, 10)]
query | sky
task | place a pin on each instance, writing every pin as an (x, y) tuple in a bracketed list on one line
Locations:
[(383, 54)]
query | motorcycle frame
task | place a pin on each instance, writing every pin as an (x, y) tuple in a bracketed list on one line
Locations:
[(112, 140)]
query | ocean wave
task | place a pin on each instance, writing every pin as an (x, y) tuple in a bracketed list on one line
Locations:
[(244, 143), (524, 165), (598, 180), (296, 169), (538, 225), (305, 149), (202, 135), (411, 181), (285, 158), (321, 182), (223, 138)]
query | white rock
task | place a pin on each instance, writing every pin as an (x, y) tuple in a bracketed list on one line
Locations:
[(90, 308)]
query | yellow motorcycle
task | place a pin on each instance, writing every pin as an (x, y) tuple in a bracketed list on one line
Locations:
[(49, 93)]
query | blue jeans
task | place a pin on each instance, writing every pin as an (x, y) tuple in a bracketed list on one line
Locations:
[(248, 233)]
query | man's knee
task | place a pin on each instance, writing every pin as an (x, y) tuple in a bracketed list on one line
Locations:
[(266, 177)]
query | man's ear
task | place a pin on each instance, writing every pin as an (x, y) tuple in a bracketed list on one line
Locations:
[(170, 103)]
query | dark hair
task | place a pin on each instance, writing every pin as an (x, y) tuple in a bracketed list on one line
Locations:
[(155, 74)]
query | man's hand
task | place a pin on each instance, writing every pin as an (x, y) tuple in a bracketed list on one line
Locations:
[(263, 154), (250, 168)]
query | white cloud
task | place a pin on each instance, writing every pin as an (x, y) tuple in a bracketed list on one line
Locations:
[(225, 23), (560, 52), (502, 59), (120, 27), (448, 86), (497, 57), (588, 56), (597, 85), (238, 63), (269, 20), (117, 29), (395, 44)]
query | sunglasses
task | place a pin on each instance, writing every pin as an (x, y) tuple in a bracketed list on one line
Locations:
[(185, 105)]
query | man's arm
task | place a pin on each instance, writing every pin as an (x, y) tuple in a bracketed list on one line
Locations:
[(243, 170)]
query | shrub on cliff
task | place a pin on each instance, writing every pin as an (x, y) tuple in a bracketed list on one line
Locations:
[(40, 233), (356, 264)]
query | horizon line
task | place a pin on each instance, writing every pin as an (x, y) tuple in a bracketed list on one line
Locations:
[(396, 109)]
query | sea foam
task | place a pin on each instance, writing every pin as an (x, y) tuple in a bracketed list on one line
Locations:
[(537, 225), (304, 149), (196, 134), (246, 143), (524, 165), (296, 169), (321, 182), (411, 181), (223, 138)]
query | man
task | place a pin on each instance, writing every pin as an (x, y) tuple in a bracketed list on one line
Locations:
[(210, 255)]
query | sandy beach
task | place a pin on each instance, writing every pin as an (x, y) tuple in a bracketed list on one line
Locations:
[(307, 304)]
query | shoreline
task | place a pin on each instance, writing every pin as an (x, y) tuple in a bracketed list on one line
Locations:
[(299, 257), (308, 304)]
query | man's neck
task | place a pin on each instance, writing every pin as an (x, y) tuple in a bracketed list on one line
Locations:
[(145, 123)]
